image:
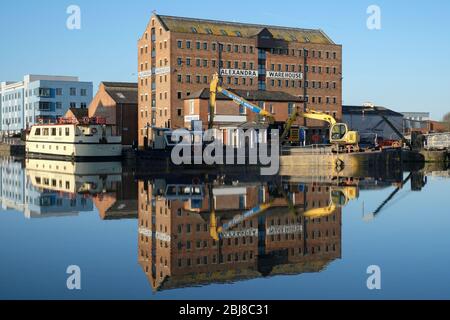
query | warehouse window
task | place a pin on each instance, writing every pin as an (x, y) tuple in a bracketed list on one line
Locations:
[(238, 33), (223, 32), (290, 108), (180, 44), (188, 44), (208, 31), (194, 30), (191, 107)]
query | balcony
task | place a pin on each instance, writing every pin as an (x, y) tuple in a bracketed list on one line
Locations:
[(44, 106), (43, 92)]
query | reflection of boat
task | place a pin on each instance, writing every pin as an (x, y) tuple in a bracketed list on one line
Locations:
[(90, 138), (73, 177)]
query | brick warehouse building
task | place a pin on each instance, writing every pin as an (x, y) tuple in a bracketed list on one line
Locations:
[(178, 56)]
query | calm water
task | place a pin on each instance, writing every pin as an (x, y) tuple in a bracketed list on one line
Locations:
[(220, 236)]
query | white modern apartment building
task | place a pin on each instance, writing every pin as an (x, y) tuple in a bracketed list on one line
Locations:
[(416, 120), (40, 98)]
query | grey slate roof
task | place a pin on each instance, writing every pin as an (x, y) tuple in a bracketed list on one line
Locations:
[(122, 92), (246, 30), (80, 113), (367, 111)]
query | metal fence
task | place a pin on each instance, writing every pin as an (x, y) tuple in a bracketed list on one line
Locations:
[(311, 149)]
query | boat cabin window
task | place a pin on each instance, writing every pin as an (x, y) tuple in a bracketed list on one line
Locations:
[(46, 131), (54, 132), (60, 132), (67, 132), (37, 132)]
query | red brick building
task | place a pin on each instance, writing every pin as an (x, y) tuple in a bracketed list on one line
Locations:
[(229, 116), (178, 56), (117, 102)]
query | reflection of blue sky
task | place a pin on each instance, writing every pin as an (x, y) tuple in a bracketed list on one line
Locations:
[(408, 240)]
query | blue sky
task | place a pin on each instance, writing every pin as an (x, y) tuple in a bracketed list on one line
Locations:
[(404, 66)]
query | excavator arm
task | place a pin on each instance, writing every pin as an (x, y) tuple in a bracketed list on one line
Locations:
[(316, 115), (310, 114), (215, 88)]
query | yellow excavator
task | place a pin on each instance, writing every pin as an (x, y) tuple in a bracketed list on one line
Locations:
[(340, 135), (215, 88), (339, 198)]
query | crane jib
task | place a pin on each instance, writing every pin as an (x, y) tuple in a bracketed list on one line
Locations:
[(241, 101), (239, 219)]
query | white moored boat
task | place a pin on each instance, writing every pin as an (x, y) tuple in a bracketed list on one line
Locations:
[(87, 139)]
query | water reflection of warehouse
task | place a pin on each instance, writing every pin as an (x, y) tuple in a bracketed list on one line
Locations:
[(177, 246)]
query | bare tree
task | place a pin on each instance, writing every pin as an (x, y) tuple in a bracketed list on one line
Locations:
[(446, 120)]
